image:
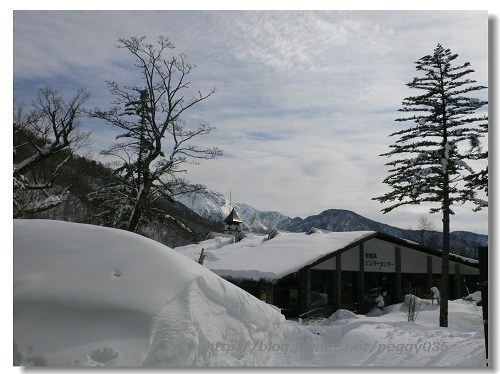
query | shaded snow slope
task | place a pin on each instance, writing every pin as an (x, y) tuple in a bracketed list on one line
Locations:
[(92, 296)]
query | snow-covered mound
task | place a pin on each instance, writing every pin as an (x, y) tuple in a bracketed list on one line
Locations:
[(475, 296), (92, 296), (417, 304), (341, 315)]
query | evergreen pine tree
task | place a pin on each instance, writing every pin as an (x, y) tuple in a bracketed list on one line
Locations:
[(432, 151)]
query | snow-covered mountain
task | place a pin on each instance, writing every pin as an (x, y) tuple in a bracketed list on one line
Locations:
[(262, 220), (215, 206), (209, 204), (342, 220), (464, 243)]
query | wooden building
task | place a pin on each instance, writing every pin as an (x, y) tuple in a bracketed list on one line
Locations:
[(319, 272), (351, 277)]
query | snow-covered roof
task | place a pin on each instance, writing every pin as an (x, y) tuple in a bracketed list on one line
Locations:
[(272, 257), (257, 257), (314, 230)]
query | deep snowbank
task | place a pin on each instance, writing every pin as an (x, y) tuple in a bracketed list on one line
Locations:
[(93, 296)]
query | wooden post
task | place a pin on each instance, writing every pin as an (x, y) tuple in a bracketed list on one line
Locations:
[(270, 294), (202, 256), (429, 274), (305, 289), (458, 285), (308, 288), (338, 282), (361, 278), (398, 294)]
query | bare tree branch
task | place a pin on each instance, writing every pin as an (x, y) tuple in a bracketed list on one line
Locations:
[(45, 138), (156, 141)]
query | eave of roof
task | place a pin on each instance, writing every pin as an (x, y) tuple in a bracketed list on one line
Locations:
[(404, 243)]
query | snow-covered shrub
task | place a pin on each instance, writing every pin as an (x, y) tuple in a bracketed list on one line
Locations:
[(378, 299), (435, 295), (411, 306), (476, 297)]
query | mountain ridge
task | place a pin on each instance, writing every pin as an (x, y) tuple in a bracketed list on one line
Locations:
[(462, 242)]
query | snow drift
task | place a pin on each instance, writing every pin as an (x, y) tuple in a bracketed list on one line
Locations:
[(91, 296)]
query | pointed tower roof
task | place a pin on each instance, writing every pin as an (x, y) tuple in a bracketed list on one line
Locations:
[(233, 217)]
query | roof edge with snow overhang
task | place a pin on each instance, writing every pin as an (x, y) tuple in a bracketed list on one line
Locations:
[(288, 252), (404, 243)]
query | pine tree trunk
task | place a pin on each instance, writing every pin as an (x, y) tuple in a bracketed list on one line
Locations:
[(445, 265), (445, 262)]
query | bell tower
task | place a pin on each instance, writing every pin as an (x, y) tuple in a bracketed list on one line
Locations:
[(232, 223)]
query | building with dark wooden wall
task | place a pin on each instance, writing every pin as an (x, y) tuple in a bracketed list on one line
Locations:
[(319, 272)]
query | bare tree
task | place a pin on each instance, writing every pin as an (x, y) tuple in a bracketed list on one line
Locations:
[(45, 138), (156, 142), (428, 232)]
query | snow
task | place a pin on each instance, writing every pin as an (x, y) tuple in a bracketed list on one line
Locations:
[(380, 301), (49, 201), (447, 149), (435, 293), (475, 296), (45, 150), (84, 293), (346, 339), (255, 257), (181, 225), (92, 296)]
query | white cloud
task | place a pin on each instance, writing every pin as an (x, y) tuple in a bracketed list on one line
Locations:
[(305, 100)]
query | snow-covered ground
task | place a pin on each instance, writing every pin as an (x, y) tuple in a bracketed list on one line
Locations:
[(387, 339), (92, 296)]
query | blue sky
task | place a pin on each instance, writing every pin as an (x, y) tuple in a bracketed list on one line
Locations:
[(305, 100)]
